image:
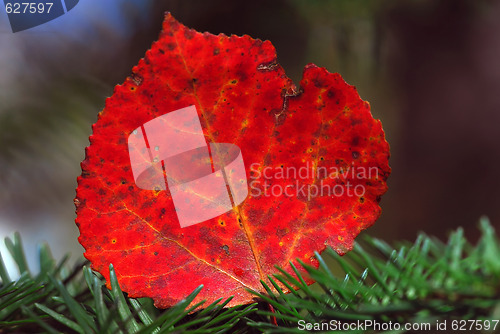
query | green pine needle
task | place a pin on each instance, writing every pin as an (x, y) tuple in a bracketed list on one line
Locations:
[(423, 282)]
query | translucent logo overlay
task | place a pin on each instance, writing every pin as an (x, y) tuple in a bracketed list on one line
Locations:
[(204, 180)]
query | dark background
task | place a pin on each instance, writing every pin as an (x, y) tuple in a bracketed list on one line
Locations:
[(430, 69)]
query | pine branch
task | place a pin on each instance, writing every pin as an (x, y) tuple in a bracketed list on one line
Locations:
[(424, 282), (417, 283)]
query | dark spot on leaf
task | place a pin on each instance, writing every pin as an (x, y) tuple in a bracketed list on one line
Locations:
[(355, 154), (226, 249), (319, 82), (189, 33), (242, 75), (355, 121)]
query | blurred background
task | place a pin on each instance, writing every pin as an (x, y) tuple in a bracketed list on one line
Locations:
[(429, 68)]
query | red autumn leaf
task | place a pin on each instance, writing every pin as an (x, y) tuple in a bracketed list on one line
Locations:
[(303, 148)]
